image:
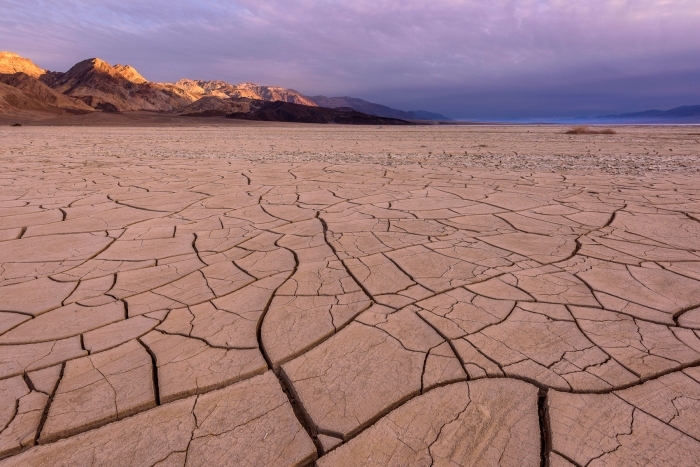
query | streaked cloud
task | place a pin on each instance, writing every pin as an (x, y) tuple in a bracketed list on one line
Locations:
[(467, 58)]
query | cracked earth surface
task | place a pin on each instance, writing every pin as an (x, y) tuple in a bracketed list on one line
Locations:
[(187, 311)]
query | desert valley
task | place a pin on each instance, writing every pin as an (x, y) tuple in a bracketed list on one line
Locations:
[(205, 274)]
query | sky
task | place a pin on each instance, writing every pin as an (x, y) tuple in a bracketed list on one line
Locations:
[(467, 59)]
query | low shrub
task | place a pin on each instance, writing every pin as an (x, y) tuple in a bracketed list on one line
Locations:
[(584, 130)]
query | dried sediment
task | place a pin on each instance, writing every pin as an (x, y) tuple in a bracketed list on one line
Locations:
[(217, 311)]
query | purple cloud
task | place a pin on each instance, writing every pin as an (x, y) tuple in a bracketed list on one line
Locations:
[(466, 58)]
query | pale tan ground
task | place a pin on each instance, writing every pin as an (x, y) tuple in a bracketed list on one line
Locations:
[(290, 295), (634, 150)]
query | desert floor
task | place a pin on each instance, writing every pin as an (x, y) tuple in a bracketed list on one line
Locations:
[(284, 295)]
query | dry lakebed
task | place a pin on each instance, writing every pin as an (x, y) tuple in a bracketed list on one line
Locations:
[(243, 294)]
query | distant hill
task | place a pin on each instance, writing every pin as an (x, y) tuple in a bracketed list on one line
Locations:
[(683, 114), (288, 112), (425, 115), (375, 109)]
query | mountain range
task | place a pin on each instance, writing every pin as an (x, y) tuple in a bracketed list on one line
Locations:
[(375, 109), (683, 114), (94, 85)]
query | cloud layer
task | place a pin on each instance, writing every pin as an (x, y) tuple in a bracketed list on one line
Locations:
[(466, 58)]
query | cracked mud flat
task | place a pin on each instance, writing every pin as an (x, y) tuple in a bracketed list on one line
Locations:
[(237, 296)]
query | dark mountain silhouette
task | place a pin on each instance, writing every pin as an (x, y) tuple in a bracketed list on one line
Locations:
[(425, 115), (683, 114), (288, 112)]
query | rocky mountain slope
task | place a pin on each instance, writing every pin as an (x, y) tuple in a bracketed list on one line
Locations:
[(212, 106), (130, 73), (38, 90), (14, 101), (104, 87), (20, 91), (223, 89), (11, 63)]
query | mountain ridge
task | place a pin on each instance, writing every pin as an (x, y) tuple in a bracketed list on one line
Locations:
[(222, 89), (95, 85), (684, 112)]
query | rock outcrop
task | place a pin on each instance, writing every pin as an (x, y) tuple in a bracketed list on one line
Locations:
[(130, 73), (223, 89), (11, 63), (211, 106), (120, 88)]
